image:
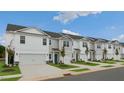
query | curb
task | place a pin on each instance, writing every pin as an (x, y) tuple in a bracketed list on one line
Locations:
[(10, 76)]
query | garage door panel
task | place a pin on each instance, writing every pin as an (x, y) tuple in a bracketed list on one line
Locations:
[(32, 59), (67, 58)]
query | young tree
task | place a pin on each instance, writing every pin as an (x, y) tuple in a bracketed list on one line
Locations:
[(10, 55), (2, 51), (63, 53), (87, 51), (104, 53), (116, 53)]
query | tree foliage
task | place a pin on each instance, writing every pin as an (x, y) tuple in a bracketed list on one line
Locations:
[(63, 53), (116, 52), (104, 53), (87, 50), (2, 51)]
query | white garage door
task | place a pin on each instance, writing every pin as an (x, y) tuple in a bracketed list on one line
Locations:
[(32, 59), (67, 58)]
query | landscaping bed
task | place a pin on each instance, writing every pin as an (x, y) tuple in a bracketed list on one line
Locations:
[(86, 63), (80, 70), (109, 62), (108, 66), (63, 66), (5, 70)]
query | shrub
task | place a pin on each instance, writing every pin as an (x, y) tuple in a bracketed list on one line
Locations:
[(8, 70), (48, 62)]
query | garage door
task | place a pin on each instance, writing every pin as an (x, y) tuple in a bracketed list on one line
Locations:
[(32, 59), (67, 58)]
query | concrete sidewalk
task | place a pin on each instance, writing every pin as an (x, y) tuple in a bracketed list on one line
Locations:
[(93, 68)]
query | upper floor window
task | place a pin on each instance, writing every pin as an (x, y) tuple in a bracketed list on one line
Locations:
[(44, 41), (109, 46), (98, 46), (66, 43), (49, 42), (22, 39), (84, 44)]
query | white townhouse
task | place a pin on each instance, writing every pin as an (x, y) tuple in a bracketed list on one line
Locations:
[(36, 46), (122, 50), (78, 46)]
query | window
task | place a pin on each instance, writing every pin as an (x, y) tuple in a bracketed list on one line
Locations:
[(49, 42), (109, 46), (50, 56), (44, 41), (22, 39), (66, 43), (98, 46), (84, 44)]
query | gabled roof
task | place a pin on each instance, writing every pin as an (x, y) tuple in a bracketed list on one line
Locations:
[(114, 41), (53, 34), (97, 39), (91, 38), (102, 40), (12, 27), (74, 36)]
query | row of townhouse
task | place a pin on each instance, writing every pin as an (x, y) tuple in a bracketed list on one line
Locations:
[(35, 46)]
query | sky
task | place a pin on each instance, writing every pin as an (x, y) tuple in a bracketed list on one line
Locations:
[(98, 24)]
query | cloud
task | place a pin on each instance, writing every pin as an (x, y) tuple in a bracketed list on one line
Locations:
[(119, 38), (69, 32), (67, 16), (112, 28), (2, 40)]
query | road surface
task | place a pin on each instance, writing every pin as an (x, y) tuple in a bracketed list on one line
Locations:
[(115, 74)]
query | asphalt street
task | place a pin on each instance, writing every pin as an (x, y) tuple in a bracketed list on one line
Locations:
[(115, 74)]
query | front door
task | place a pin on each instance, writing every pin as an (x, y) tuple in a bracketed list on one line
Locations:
[(56, 58), (76, 56), (92, 55)]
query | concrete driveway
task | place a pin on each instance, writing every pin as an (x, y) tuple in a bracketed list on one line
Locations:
[(39, 72)]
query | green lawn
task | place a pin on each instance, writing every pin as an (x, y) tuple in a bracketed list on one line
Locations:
[(80, 70), (86, 63), (4, 70), (11, 79), (108, 66), (109, 62), (63, 66)]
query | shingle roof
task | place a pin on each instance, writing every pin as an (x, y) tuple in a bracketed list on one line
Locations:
[(53, 34), (12, 27), (74, 36), (103, 40), (97, 39), (91, 38)]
